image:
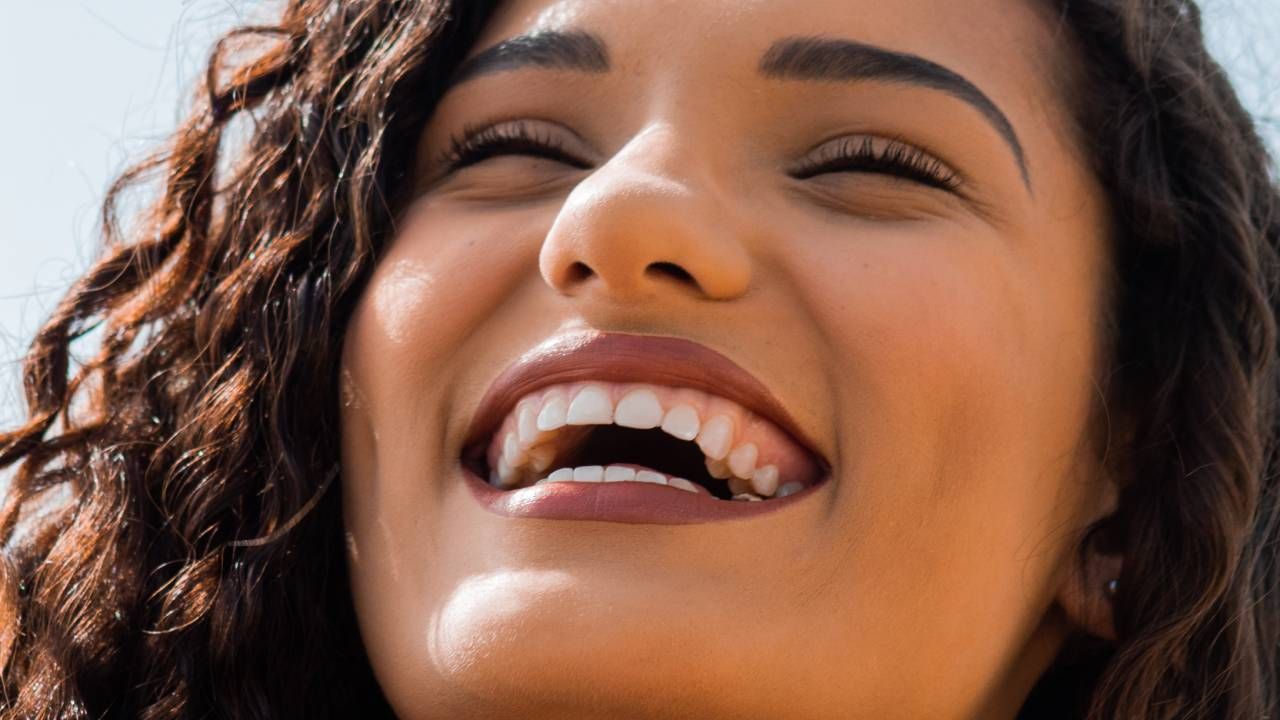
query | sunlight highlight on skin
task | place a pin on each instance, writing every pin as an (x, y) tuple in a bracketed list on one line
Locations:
[(396, 298), (482, 607)]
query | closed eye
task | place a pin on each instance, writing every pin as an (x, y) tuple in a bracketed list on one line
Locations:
[(894, 158), (478, 144), (884, 157)]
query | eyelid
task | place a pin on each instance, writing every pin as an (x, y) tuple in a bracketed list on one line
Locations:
[(890, 155), (512, 129)]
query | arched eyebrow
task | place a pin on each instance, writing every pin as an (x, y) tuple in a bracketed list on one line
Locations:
[(831, 59), (550, 49), (819, 59)]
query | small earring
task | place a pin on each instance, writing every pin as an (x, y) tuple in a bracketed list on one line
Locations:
[(1113, 585)]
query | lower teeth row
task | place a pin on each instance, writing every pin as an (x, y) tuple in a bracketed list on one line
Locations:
[(618, 473)]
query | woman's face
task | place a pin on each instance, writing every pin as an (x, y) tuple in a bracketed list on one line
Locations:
[(866, 243)]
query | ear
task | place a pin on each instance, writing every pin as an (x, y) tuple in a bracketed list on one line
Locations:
[(1084, 594)]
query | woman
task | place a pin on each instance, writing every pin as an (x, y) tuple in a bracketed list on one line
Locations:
[(562, 358)]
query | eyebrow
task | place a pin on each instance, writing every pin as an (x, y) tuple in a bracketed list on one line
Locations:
[(550, 49), (796, 58), (829, 59)]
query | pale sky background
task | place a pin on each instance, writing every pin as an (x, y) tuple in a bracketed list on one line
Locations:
[(88, 86)]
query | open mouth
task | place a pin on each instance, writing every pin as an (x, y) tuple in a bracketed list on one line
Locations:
[(685, 438)]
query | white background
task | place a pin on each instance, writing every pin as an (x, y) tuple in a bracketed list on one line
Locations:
[(89, 86)]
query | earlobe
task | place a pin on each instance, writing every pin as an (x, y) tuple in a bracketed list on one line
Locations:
[(1088, 592)]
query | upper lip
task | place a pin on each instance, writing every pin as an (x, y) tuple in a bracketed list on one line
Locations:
[(616, 357)]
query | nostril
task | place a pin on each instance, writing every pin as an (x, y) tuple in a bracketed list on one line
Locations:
[(670, 269), (578, 272)]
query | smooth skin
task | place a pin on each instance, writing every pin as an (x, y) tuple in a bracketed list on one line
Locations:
[(940, 348)]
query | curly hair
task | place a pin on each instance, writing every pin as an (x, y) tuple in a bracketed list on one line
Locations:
[(173, 548)]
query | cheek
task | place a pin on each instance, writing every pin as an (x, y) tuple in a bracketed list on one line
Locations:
[(987, 345), (439, 279), (966, 361), (443, 276)]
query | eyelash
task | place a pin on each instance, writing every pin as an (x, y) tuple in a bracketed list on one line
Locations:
[(892, 157), (477, 144), (887, 157)]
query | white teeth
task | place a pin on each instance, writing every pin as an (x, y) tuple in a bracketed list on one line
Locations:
[(553, 414), (790, 488), (765, 480), (715, 437), (618, 473), (683, 485), (615, 473), (511, 450), (529, 446), (590, 473), (718, 469), (742, 461), (639, 409), (527, 425), (650, 476), (681, 422), (591, 407)]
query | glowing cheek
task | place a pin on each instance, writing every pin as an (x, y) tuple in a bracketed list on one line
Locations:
[(399, 298), (444, 272)]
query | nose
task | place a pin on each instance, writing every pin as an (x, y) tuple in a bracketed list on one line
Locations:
[(647, 222)]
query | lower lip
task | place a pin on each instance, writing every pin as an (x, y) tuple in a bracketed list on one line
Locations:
[(621, 502)]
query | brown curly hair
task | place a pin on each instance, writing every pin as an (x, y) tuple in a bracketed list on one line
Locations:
[(173, 548)]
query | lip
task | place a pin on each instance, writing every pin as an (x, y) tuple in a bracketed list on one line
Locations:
[(617, 357)]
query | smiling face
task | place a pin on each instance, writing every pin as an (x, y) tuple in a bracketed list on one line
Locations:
[(858, 232)]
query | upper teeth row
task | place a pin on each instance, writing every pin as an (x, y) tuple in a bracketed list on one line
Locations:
[(524, 443)]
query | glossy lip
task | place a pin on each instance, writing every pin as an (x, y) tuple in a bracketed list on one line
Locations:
[(614, 357)]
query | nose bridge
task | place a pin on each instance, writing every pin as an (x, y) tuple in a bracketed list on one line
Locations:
[(652, 218), (662, 151)]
